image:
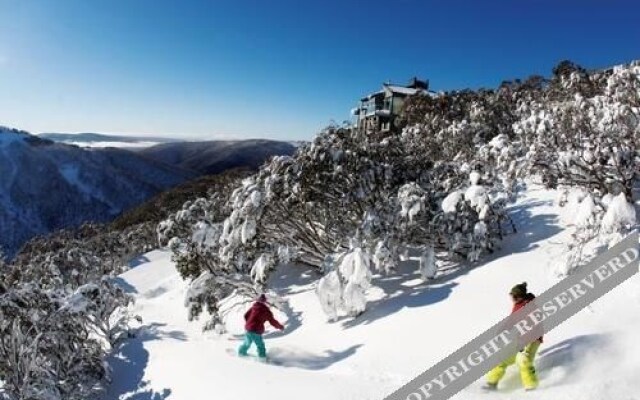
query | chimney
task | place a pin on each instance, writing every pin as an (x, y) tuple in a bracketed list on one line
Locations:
[(416, 83)]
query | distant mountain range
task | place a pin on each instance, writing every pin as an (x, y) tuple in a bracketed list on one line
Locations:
[(47, 185), (212, 157), (104, 140)]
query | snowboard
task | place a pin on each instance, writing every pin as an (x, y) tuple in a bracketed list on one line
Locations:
[(489, 388), (494, 389), (252, 357)]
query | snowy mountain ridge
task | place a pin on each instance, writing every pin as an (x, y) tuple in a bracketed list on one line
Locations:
[(46, 185), (100, 182), (8, 135)]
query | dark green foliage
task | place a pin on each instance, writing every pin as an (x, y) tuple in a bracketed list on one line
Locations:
[(160, 206)]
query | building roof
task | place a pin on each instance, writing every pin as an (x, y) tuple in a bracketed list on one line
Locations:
[(402, 89), (372, 95), (415, 87)]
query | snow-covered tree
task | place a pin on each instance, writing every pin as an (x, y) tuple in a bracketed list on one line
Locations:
[(46, 350), (345, 284), (75, 257), (596, 224), (104, 308), (582, 137), (428, 265), (195, 233), (61, 312), (589, 142)]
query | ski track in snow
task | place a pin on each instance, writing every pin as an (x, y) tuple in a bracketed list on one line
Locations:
[(408, 327)]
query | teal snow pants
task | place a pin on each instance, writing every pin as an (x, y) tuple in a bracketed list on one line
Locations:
[(249, 339)]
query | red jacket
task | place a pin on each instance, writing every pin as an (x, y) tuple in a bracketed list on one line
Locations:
[(523, 303), (256, 317)]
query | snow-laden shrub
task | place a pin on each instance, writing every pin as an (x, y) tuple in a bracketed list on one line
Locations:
[(581, 135), (329, 291), (585, 216), (450, 203), (596, 224), (620, 215), (61, 312), (52, 343), (383, 258), (104, 307), (590, 139), (427, 263), (345, 284)]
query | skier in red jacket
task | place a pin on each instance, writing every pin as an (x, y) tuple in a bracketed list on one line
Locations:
[(525, 357), (255, 318)]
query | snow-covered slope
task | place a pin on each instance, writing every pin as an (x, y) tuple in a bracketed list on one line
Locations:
[(409, 327), (46, 186)]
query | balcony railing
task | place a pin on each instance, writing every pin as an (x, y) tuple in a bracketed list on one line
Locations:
[(370, 109)]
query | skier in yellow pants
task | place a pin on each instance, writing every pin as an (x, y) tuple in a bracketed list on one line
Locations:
[(525, 357)]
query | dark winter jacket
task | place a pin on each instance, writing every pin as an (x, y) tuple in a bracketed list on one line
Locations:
[(523, 303), (256, 317)]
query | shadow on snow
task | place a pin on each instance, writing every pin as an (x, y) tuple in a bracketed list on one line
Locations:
[(531, 228), (290, 358), (293, 279), (294, 321), (138, 260), (400, 294), (126, 286), (129, 362)]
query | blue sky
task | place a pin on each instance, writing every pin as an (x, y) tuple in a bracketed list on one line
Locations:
[(276, 68)]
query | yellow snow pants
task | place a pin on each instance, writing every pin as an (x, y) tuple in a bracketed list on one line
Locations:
[(524, 359)]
